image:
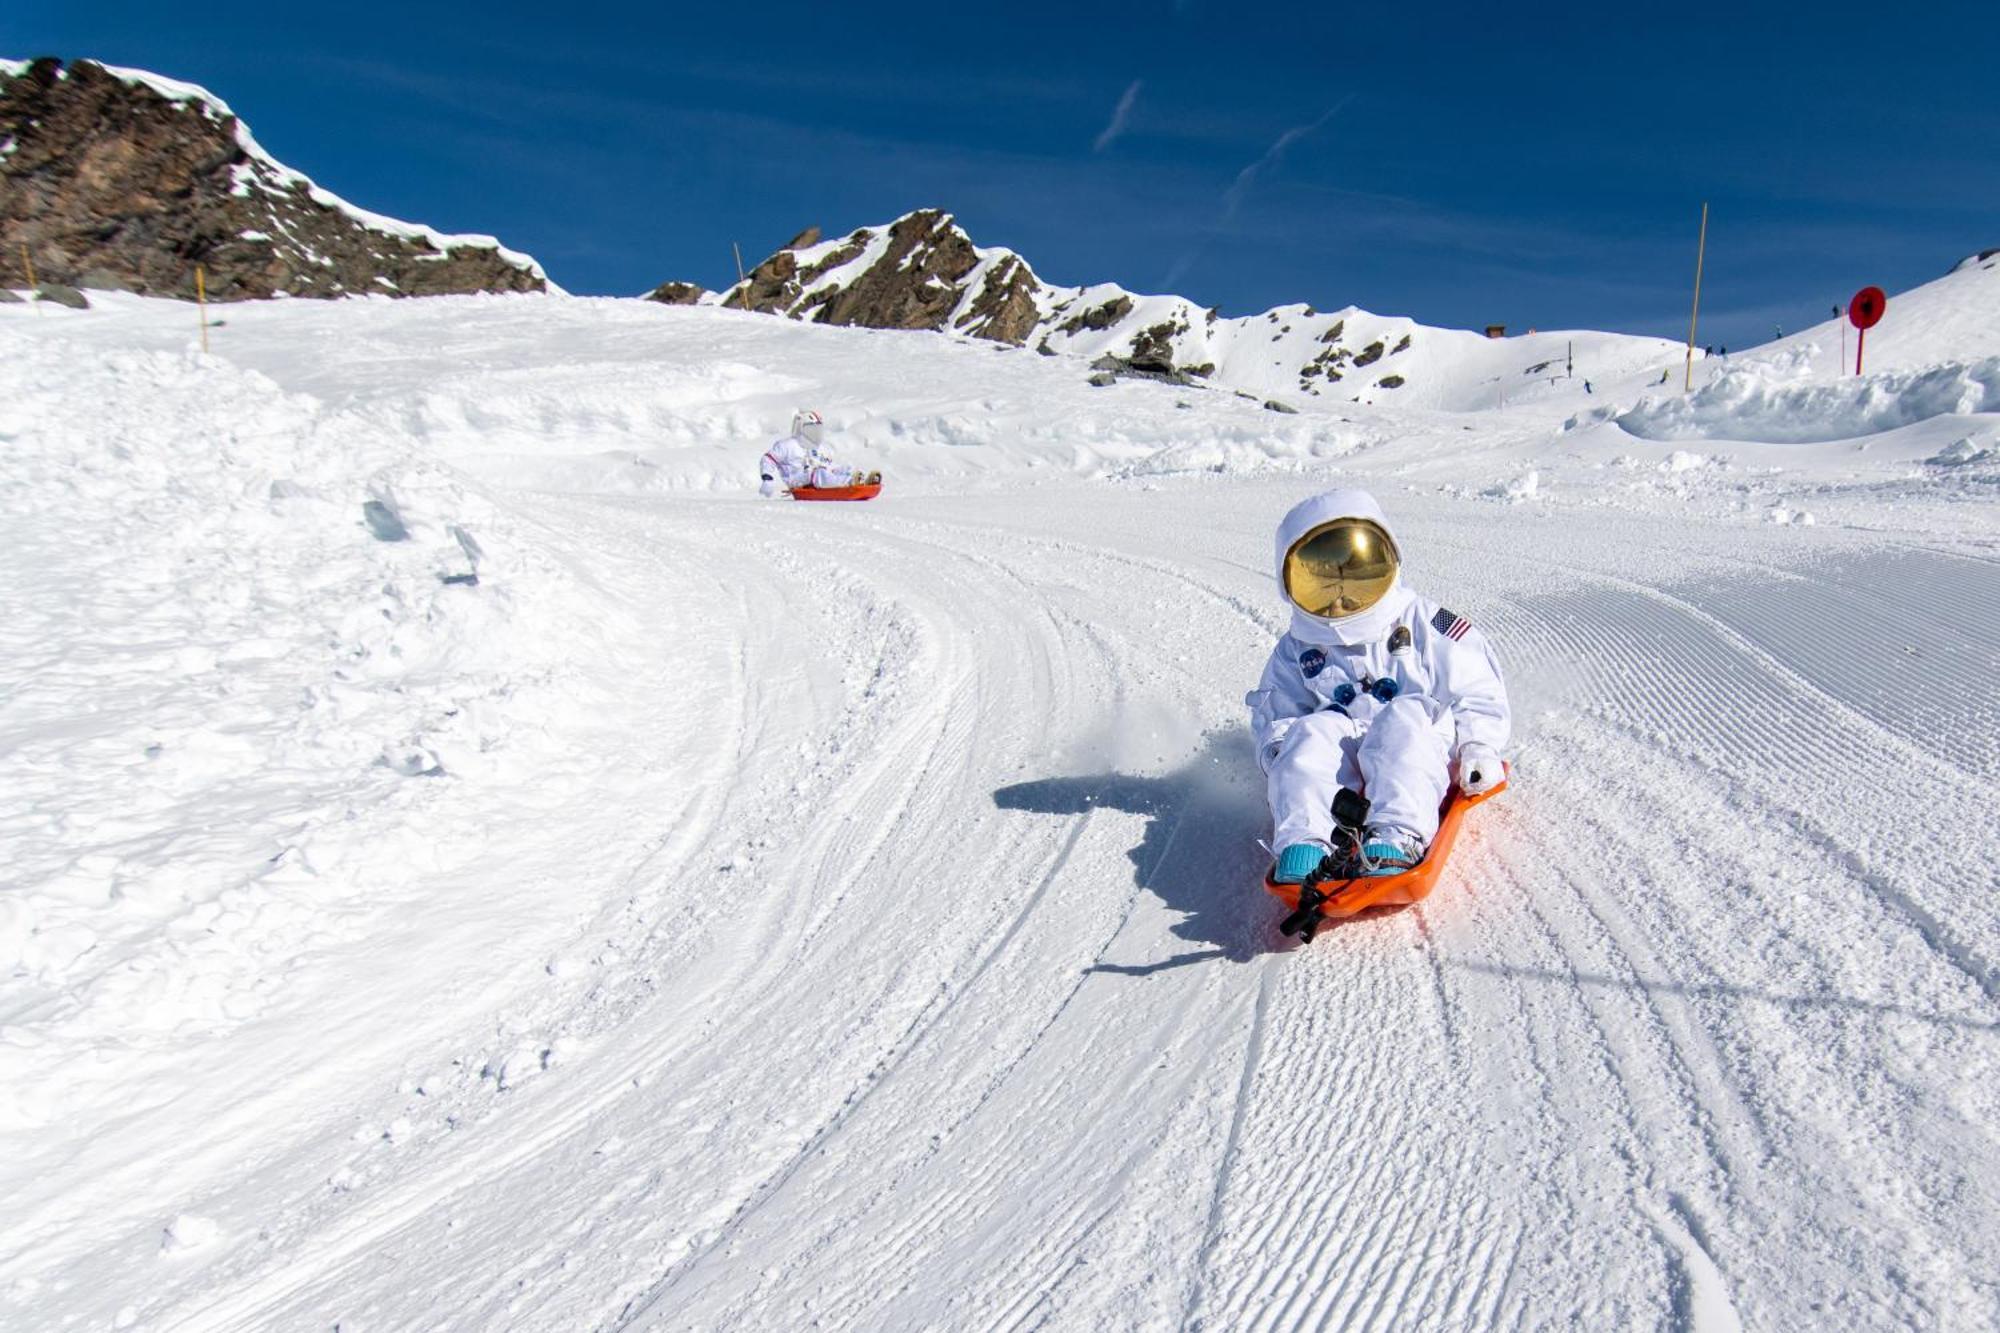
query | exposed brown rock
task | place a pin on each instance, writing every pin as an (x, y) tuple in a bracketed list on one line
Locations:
[(914, 284), (810, 236), (111, 182), (676, 293), (1153, 348), (839, 256), (1004, 308), (62, 294), (1370, 354), (1099, 317), (771, 286), (918, 280)]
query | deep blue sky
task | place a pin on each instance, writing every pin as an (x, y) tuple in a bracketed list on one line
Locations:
[(1537, 165)]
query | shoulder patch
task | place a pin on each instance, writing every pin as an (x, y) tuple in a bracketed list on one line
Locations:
[(1312, 661), (1450, 624)]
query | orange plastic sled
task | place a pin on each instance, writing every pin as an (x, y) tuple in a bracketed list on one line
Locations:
[(1345, 897), (867, 491)]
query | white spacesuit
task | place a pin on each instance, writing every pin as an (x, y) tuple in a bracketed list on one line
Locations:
[(802, 459), (1374, 688)]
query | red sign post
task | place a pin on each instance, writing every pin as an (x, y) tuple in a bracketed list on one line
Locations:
[(1863, 312)]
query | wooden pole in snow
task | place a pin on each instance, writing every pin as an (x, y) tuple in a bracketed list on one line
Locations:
[(201, 304), (29, 265), (1700, 253)]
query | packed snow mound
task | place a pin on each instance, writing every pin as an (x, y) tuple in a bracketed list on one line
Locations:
[(1753, 402), (923, 271), (128, 173), (281, 620)]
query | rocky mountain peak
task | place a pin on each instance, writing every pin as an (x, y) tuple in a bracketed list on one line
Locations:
[(119, 178), (923, 271)]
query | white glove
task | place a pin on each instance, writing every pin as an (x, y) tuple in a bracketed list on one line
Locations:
[(1479, 769)]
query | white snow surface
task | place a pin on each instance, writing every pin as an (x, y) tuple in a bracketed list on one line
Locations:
[(731, 914)]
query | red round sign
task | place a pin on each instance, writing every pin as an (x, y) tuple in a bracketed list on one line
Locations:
[(1867, 307)]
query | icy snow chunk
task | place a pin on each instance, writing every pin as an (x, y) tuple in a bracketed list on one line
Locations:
[(1682, 460), (1523, 487), (466, 543), (520, 1065), (1959, 452), (384, 521), (188, 1232), (412, 761)]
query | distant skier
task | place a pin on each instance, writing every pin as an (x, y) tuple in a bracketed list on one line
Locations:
[(1375, 688), (1586, 387), (802, 459)]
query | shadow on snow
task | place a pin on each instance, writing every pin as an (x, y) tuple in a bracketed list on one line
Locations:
[(1199, 855)]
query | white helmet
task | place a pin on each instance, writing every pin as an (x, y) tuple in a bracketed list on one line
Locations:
[(807, 426)]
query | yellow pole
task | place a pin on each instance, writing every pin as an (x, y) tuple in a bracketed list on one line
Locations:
[(201, 304), (29, 265), (1700, 253)]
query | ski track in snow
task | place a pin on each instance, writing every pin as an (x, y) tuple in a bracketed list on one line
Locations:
[(905, 964)]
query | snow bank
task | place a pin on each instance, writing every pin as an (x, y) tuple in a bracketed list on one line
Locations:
[(1772, 402), (225, 681)]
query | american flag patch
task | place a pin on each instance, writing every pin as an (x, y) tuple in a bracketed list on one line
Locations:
[(1450, 624)]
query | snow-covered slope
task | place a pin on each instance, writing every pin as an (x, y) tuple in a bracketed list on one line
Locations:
[(739, 915), (1936, 353), (923, 271), (121, 177)]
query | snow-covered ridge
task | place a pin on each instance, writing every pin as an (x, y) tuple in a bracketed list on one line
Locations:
[(265, 228), (279, 176), (923, 271)]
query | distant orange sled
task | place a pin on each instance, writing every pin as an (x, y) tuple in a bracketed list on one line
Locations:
[(864, 492), (1345, 897)]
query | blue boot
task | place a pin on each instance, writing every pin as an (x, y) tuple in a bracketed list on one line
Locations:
[(1298, 861), (1388, 850)]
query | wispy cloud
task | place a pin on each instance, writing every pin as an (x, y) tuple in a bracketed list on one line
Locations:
[(1239, 189), (1121, 119), (1232, 198)]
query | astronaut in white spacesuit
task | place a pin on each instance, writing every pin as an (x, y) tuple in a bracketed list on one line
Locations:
[(1374, 688), (803, 459)]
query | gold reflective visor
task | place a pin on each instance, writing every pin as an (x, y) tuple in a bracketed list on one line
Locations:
[(1340, 568)]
